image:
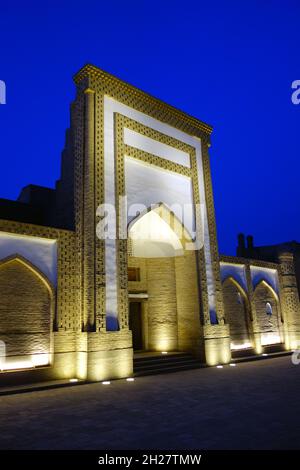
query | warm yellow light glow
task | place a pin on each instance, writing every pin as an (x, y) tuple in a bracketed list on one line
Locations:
[(35, 360), (240, 346), (293, 344), (258, 347), (163, 342), (40, 359), (17, 365), (164, 352), (81, 369), (270, 338), (152, 237), (130, 379), (217, 351), (106, 382), (211, 357)]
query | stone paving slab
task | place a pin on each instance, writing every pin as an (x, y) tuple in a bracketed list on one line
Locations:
[(251, 406)]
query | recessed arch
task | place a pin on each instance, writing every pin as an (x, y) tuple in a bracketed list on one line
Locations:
[(27, 312), (238, 286), (237, 314), (169, 318), (167, 214), (23, 261), (157, 232), (264, 283), (269, 326)]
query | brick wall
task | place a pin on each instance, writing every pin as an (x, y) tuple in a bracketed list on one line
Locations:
[(268, 325), (236, 313), (25, 310), (162, 308), (173, 310), (188, 304)]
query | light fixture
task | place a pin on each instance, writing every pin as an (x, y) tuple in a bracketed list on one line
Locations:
[(130, 379), (106, 382), (73, 380), (264, 354), (232, 365), (164, 352), (219, 367)]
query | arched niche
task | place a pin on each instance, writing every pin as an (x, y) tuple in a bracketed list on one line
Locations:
[(26, 313), (237, 313), (267, 313), (161, 248), (158, 233)]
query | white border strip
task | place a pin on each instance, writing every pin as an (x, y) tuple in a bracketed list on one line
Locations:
[(112, 106), (154, 147)]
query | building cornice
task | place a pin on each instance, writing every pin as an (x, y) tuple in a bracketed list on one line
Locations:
[(14, 226), (249, 261), (91, 71)]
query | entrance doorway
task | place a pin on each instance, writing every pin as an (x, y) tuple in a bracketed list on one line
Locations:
[(136, 325)]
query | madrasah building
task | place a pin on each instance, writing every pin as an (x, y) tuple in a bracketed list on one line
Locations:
[(116, 271)]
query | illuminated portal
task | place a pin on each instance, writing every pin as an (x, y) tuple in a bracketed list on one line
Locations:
[(26, 314), (122, 256), (152, 169), (168, 317), (152, 237)]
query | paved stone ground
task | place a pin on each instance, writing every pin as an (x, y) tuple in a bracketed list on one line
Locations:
[(252, 406)]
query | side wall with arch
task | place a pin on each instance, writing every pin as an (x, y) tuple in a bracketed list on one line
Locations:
[(268, 316), (39, 322), (27, 309), (237, 313), (252, 302)]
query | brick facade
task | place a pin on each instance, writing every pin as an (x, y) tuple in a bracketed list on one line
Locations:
[(187, 302)]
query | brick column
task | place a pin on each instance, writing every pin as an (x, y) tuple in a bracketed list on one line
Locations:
[(216, 337), (88, 229), (289, 301), (255, 331)]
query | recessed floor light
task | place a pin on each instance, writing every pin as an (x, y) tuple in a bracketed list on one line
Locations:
[(264, 354), (232, 365), (130, 379), (164, 352), (73, 380), (219, 367), (106, 382)]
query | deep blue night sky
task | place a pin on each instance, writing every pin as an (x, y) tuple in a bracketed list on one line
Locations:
[(229, 63)]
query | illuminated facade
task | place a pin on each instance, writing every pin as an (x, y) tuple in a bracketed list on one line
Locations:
[(78, 300)]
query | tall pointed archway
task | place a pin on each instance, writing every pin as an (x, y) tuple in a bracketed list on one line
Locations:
[(26, 314), (268, 315), (166, 281), (237, 314)]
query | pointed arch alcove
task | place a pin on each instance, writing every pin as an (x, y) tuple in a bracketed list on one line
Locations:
[(160, 250), (27, 308), (237, 314), (268, 314)]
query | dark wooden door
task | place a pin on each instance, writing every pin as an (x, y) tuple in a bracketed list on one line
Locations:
[(135, 325)]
